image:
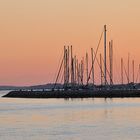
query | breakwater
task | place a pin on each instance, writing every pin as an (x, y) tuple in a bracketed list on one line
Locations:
[(75, 94)]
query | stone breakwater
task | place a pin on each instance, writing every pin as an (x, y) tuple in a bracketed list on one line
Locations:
[(75, 94)]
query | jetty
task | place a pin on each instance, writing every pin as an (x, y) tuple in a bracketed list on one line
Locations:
[(75, 94)]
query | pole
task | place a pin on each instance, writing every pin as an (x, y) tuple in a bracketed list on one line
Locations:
[(64, 65), (72, 67), (82, 71), (122, 70), (68, 71), (101, 69), (111, 61), (105, 55), (133, 67), (77, 71), (75, 75), (92, 66), (79, 80), (87, 66), (128, 67)]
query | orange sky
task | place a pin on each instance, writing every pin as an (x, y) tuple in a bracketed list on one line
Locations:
[(33, 33)]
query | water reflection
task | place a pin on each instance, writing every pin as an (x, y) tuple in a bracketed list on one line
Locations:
[(69, 119)]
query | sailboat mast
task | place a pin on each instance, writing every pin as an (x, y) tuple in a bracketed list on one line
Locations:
[(105, 65)]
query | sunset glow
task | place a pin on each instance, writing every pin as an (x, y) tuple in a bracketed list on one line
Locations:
[(33, 33)]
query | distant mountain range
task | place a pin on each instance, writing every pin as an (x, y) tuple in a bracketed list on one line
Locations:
[(45, 86)]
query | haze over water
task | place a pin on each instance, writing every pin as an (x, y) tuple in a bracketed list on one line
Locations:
[(59, 119)]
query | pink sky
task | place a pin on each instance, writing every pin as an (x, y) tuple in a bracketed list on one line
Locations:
[(33, 33)]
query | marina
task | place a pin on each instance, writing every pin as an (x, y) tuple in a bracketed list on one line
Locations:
[(78, 79)]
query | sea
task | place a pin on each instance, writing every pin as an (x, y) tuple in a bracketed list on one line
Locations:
[(69, 119)]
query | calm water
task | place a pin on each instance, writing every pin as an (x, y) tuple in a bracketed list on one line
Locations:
[(58, 119)]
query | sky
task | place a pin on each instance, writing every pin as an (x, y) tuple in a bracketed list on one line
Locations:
[(33, 33)]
